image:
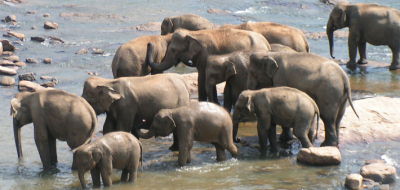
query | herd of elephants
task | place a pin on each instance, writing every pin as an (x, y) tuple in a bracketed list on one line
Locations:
[(270, 76)]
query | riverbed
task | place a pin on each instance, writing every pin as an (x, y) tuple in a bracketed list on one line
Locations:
[(108, 24)]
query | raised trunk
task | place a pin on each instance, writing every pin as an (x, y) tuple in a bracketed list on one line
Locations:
[(147, 135), (17, 137), (164, 65), (81, 175), (330, 28)]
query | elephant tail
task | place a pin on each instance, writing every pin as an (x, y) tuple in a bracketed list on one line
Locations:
[(316, 132), (141, 155), (348, 92)]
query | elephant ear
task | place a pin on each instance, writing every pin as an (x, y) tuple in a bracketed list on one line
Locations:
[(193, 44), (250, 105), (15, 106), (230, 70), (107, 96), (167, 26), (270, 66)]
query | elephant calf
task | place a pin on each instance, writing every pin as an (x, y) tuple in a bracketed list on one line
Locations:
[(199, 121), (285, 106), (188, 21), (120, 150)]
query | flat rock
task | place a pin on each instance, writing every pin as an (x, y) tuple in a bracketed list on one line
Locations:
[(7, 63), (354, 181), (20, 64), (191, 80), (374, 161), (151, 26), (218, 11), (18, 35), (46, 15), (24, 85), (379, 172), (82, 51), (27, 76), (47, 60), (12, 58), (31, 60), (45, 77), (7, 46), (49, 84), (320, 156), (7, 71), (55, 39), (50, 25), (7, 81), (11, 18), (31, 12), (97, 51), (38, 39)]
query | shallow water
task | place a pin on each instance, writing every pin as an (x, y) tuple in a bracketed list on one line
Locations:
[(107, 25)]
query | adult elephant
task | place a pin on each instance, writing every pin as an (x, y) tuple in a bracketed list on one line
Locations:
[(72, 119), (129, 60), (372, 23), (277, 34), (198, 45), (130, 101), (319, 77), (187, 21)]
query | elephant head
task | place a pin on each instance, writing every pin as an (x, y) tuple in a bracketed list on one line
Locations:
[(217, 72), (100, 94), (244, 111), (20, 111), (261, 71), (337, 19), (183, 47), (163, 124), (167, 26), (85, 158)]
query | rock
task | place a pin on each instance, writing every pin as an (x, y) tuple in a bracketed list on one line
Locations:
[(379, 172), (384, 187), (333, 2), (30, 12), (7, 63), (12, 58), (27, 76), (38, 39), (1, 48), (47, 60), (82, 51), (92, 73), (24, 85), (7, 71), (46, 15), (8, 53), (20, 64), (374, 161), (45, 77), (151, 26), (354, 181), (33, 28), (50, 25), (11, 18), (319, 35), (7, 46), (20, 36), (53, 38), (49, 84), (7, 81), (97, 51), (370, 184), (218, 11), (31, 60), (14, 1), (328, 155)]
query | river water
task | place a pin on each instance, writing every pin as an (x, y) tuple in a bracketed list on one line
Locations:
[(107, 25)]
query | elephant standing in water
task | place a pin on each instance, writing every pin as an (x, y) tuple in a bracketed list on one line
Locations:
[(129, 59), (319, 77), (189, 22), (129, 101), (372, 23), (198, 45), (55, 114)]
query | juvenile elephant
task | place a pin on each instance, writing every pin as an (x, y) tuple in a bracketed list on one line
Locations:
[(319, 77), (199, 121), (119, 150), (372, 23), (281, 48), (72, 120), (277, 34), (198, 45), (128, 101), (129, 59), (188, 22), (283, 106)]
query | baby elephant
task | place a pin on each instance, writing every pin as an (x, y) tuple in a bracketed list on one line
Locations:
[(199, 121), (120, 150), (285, 106)]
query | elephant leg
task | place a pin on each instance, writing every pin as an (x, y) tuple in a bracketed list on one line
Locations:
[(109, 124), (300, 131), (330, 131), (286, 135), (105, 170), (228, 97), (133, 173), (221, 156), (262, 126), (53, 150), (95, 173), (395, 58), (272, 138), (189, 154), (183, 154), (201, 85), (42, 144), (233, 150), (352, 43), (362, 50), (210, 93), (124, 175), (175, 144)]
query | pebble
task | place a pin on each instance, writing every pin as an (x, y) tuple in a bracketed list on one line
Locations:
[(20, 64), (82, 51), (11, 18), (12, 58), (24, 85), (50, 25), (31, 60), (20, 36), (46, 15), (7, 46), (327, 155), (27, 76), (7, 81), (49, 84), (47, 60), (379, 172), (354, 181), (31, 12), (7, 71), (7, 63), (97, 51), (38, 39)]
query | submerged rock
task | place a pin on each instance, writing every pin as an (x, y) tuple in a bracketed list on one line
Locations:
[(38, 39), (46, 15), (333, 2), (27, 76), (7, 46), (50, 25), (354, 181), (47, 60), (379, 172), (12, 58), (320, 156), (20, 64), (18, 35), (218, 11), (1, 48), (97, 51), (7, 71), (24, 85), (82, 51), (7, 63), (31, 60), (151, 26), (7, 81), (49, 84), (10, 18)]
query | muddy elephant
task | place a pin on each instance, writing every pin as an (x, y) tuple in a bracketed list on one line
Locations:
[(372, 23), (131, 102), (199, 121), (198, 45), (285, 106), (319, 77), (189, 22), (277, 34), (118, 150), (129, 59), (72, 120)]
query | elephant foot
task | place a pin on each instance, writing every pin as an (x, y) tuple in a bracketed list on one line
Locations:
[(329, 143), (174, 148), (394, 67), (237, 140), (49, 171), (351, 65), (362, 62)]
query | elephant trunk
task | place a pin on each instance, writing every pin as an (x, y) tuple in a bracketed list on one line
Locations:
[(81, 175), (17, 138), (330, 28), (235, 127), (158, 68), (147, 135)]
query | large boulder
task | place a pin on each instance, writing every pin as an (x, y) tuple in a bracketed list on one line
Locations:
[(354, 181), (320, 156), (7, 81), (7, 46), (7, 71), (379, 172)]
